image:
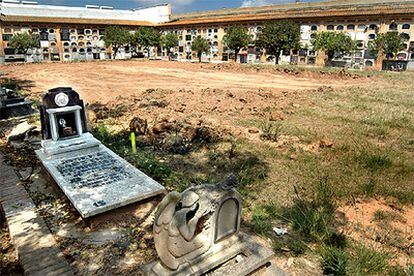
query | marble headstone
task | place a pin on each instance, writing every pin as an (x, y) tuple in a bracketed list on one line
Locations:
[(197, 231), (94, 178)]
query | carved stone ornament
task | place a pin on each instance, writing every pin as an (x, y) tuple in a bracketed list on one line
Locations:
[(199, 229)]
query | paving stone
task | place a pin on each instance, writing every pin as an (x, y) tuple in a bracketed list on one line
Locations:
[(35, 245)]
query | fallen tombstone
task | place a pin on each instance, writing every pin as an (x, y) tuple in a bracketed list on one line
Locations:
[(13, 105), (198, 231), (93, 177), (20, 131)]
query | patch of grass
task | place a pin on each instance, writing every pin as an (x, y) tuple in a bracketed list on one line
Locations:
[(313, 218), (291, 244), (261, 222), (404, 197), (387, 216), (374, 161), (368, 261), (368, 188), (246, 165), (145, 161), (411, 269), (271, 131), (118, 142), (334, 260), (398, 270)]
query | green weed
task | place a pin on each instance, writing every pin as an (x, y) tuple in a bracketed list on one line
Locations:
[(271, 131), (368, 261), (313, 217), (334, 261)]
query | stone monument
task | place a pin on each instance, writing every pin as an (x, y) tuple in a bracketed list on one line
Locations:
[(13, 105), (93, 177), (199, 230)]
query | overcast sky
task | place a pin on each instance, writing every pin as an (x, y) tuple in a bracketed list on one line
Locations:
[(179, 6)]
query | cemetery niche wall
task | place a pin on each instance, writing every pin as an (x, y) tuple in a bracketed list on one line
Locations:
[(93, 177), (198, 230)]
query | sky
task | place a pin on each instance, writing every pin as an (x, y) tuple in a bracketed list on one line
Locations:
[(179, 6)]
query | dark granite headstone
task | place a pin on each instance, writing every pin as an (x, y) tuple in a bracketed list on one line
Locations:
[(65, 120), (13, 105)]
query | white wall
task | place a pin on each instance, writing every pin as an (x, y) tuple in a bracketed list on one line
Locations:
[(155, 14)]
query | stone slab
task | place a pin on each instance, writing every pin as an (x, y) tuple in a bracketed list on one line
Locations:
[(96, 180), (255, 256)]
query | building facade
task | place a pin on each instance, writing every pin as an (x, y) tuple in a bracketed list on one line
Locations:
[(69, 34)]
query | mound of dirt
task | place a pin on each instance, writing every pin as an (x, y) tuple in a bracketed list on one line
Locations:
[(173, 136)]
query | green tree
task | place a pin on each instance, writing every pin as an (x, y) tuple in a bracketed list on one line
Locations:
[(333, 43), (24, 42), (200, 45), (170, 40), (279, 36), (388, 44), (116, 37), (145, 38), (237, 38)]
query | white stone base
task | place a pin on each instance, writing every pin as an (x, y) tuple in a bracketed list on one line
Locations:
[(254, 257), (92, 200)]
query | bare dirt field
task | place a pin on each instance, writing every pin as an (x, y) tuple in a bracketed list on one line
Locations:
[(326, 153), (103, 81)]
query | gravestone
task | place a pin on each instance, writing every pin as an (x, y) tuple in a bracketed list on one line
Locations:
[(93, 177), (198, 231), (13, 105)]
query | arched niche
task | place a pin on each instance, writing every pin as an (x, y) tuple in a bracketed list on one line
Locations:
[(228, 219)]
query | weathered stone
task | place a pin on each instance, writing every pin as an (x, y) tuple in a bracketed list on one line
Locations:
[(199, 230), (20, 131)]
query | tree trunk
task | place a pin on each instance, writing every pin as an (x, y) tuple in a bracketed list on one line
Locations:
[(148, 52), (330, 57), (236, 52), (276, 59), (199, 56)]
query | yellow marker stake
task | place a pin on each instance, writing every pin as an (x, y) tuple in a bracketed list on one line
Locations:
[(133, 143)]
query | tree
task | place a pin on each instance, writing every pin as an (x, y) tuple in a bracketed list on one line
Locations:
[(388, 44), (237, 38), (145, 37), (333, 43), (116, 37), (24, 42), (200, 45), (170, 40), (279, 36)]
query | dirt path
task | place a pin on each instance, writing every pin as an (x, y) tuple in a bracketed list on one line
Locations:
[(103, 81)]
